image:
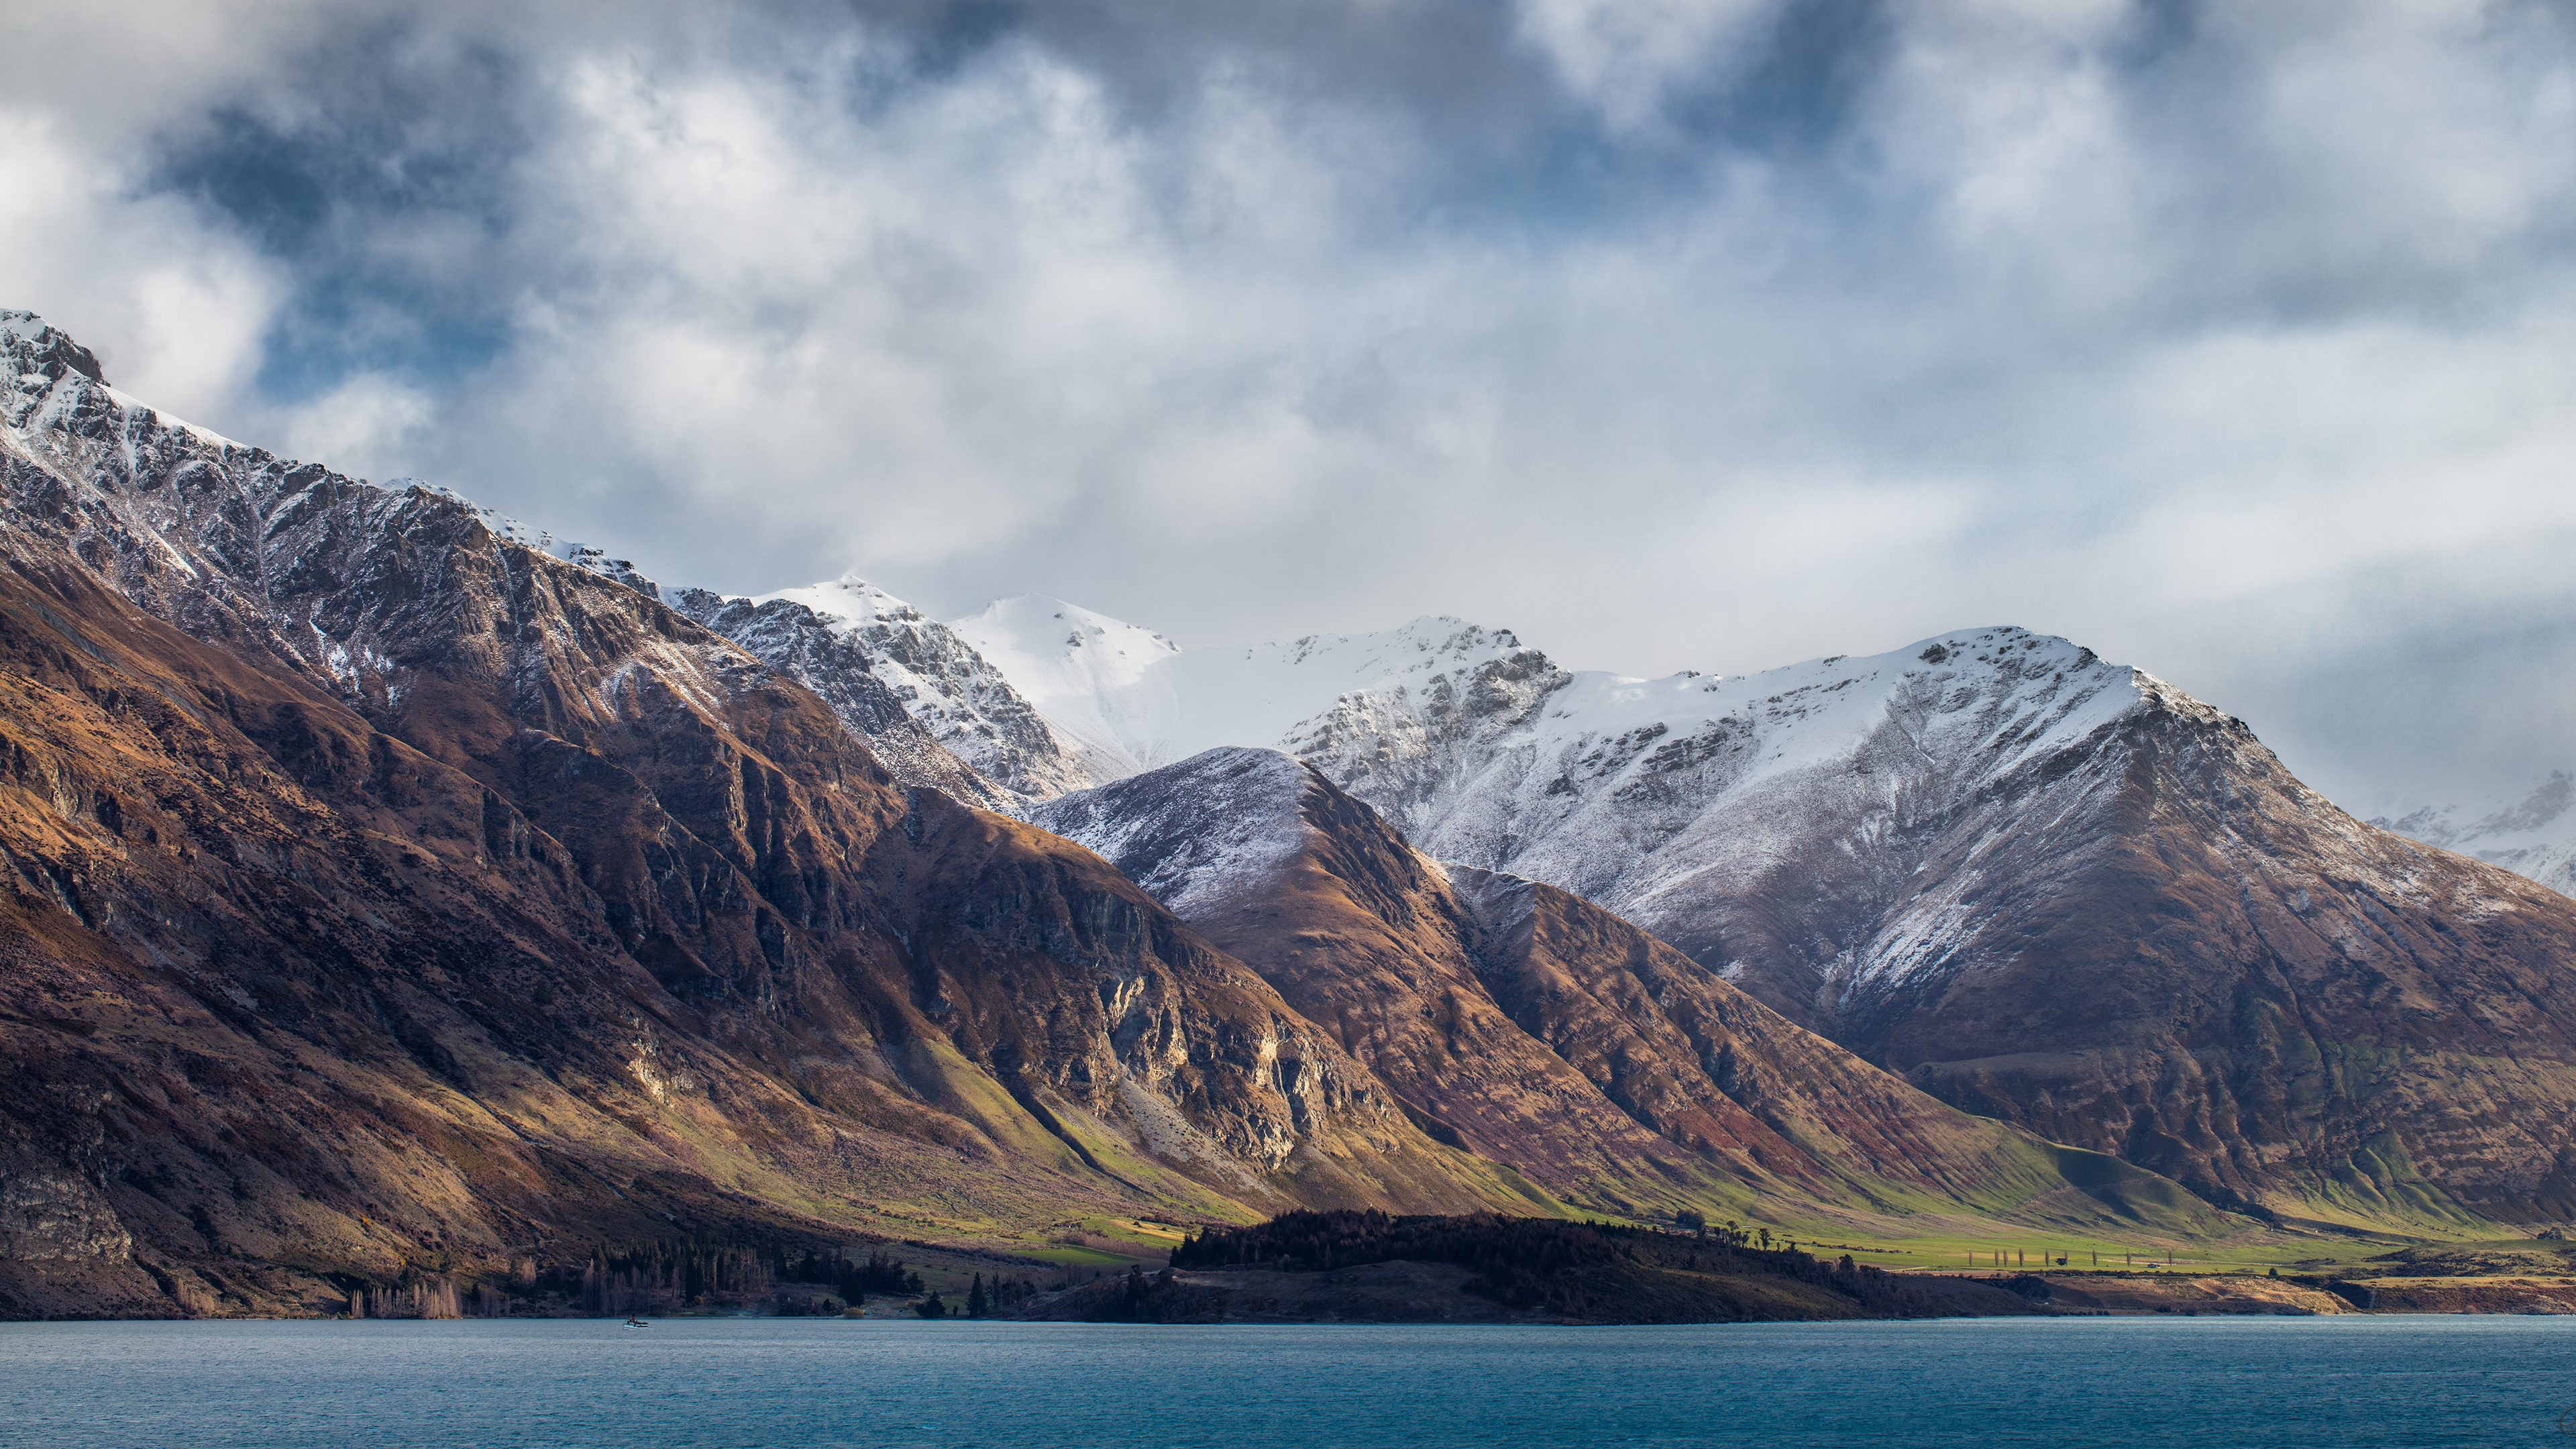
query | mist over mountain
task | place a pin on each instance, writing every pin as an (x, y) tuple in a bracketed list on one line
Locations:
[(2532, 834)]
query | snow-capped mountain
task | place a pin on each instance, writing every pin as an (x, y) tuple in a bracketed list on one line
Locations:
[(1081, 670), (1038, 697), (2049, 888), (2533, 836), (1663, 799), (1145, 703)]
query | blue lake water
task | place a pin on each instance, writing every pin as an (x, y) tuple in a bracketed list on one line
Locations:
[(2407, 1383)]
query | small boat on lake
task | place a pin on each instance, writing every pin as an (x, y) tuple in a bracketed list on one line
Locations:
[(637, 1323)]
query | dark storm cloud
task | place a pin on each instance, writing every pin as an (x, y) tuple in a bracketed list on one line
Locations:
[(2232, 340)]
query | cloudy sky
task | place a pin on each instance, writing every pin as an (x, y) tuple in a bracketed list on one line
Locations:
[(2236, 341)]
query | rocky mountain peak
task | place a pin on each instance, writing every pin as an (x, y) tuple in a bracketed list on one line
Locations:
[(1990, 858), (934, 707), (606, 928), (38, 350), (848, 603)]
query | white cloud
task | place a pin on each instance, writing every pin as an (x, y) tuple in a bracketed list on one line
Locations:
[(2169, 340), (174, 306), (363, 426), (1625, 57)]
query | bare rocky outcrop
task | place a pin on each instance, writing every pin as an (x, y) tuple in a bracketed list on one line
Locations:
[(1364, 937)]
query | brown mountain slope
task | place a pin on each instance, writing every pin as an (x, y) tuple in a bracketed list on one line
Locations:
[(1364, 937), (431, 900), (274, 999), (2049, 888), (2210, 970), (1543, 1031)]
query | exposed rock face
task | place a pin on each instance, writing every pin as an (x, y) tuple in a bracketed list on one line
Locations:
[(1536, 1027), (51, 1216), (382, 892)]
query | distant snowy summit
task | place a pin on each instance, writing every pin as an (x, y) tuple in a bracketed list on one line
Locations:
[(2534, 835), (1077, 668), (935, 709), (1684, 803), (1675, 801), (1039, 697), (1146, 703)]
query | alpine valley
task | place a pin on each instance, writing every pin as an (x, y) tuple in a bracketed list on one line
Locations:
[(389, 890)]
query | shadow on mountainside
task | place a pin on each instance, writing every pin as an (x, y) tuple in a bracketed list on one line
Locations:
[(1369, 1267)]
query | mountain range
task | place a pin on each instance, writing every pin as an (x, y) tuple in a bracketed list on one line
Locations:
[(2533, 834), (2043, 887), (392, 888)]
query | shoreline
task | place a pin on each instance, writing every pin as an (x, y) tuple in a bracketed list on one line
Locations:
[(908, 1321), (1650, 1278)]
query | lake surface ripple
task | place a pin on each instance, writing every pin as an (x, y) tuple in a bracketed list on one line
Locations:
[(2406, 1383)]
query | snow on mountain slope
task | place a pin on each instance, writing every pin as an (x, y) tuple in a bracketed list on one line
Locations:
[(2534, 836), (1146, 703), (189, 521), (1059, 650), (1660, 798), (338, 579), (919, 693), (1200, 835), (1642, 794), (1084, 671)]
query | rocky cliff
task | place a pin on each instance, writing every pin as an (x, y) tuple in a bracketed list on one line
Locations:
[(383, 893)]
